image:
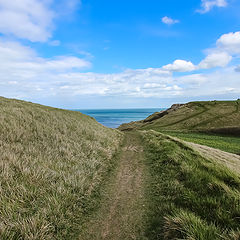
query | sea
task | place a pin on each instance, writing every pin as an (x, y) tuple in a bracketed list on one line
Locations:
[(113, 118)]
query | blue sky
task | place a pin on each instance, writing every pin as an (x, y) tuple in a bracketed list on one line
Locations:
[(119, 54)]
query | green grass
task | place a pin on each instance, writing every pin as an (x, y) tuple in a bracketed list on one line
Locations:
[(52, 164), (222, 142), (212, 123), (200, 116), (191, 116), (190, 197)]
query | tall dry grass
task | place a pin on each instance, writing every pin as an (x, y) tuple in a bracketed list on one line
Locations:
[(52, 163)]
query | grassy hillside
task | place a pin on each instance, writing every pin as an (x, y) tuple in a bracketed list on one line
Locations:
[(225, 143), (52, 163), (211, 123), (191, 197), (193, 116)]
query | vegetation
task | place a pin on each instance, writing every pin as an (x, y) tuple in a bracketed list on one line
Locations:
[(153, 186), (122, 212), (52, 163), (211, 123), (190, 197), (197, 116), (225, 143)]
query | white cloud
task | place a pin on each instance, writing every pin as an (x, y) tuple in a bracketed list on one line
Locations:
[(193, 79), (32, 19), (218, 59), (220, 56), (207, 5), (180, 66), (230, 42), (131, 83), (217, 83), (169, 21), (28, 19), (227, 47), (20, 62), (23, 74)]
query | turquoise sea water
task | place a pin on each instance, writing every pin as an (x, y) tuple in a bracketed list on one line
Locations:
[(115, 117)]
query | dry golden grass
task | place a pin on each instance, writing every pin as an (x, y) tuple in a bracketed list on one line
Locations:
[(52, 163)]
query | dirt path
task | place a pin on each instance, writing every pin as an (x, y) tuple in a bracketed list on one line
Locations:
[(122, 212)]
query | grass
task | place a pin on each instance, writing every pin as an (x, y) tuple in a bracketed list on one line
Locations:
[(212, 123), (52, 165), (200, 116), (55, 165), (225, 143), (193, 116), (190, 197)]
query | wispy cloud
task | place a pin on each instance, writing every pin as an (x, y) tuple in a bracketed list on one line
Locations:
[(207, 5), (169, 21), (23, 74), (32, 19), (21, 61), (27, 19), (55, 43)]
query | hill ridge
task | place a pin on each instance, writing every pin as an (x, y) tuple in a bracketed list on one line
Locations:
[(192, 116)]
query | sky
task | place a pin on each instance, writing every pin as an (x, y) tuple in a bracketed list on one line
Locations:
[(92, 54)]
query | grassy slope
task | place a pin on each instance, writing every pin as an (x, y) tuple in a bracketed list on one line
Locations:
[(190, 197), (52, 163), (225, 143), (214, 120), (195, 116), (200, 116)]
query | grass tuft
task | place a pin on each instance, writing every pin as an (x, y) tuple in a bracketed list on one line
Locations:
[(52, 164), (191, 197), (187, 224)]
